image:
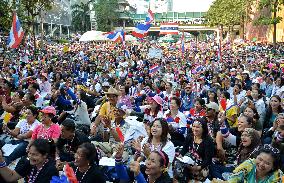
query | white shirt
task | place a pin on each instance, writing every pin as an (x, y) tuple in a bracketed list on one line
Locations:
[(25, 127), (182, 122)]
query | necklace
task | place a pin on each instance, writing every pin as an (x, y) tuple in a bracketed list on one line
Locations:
[(44, 132), (33, 177), (83, 174)]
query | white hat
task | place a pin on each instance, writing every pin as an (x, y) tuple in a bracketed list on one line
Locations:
[(106, 84), (213, 105)]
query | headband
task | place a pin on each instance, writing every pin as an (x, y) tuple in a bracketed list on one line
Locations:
[(197, 122), (163, 157)]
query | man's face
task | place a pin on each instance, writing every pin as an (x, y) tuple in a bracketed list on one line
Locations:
[(112, 99), (66, 134)]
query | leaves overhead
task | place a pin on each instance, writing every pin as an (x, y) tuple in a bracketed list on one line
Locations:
[(228, 12), (106, 14)]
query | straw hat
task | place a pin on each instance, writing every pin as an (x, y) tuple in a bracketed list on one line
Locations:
[(112, 91)]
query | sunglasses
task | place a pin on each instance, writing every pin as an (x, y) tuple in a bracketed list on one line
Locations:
[(270, 148)]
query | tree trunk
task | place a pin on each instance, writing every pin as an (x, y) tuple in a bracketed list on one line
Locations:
[(274, 25), (242, 29)]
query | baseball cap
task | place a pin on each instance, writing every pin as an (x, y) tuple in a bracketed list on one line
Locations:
[(213, 105), (49, 110)]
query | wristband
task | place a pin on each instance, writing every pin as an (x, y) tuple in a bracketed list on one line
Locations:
[(3, 164)]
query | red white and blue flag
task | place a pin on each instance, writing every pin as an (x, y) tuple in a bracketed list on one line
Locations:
[(169, 28), (117, 36), (16, 33), (141, 30), (150, 17), (153, 69), (182, 47)]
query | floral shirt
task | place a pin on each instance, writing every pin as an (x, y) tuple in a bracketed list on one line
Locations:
[(53, 132), (246, 173)]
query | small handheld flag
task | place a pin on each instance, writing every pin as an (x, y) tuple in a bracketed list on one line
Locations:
[(16, 33)]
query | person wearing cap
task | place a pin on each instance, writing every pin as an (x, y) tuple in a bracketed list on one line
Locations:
[(212, 110), (187, 97), (153, 110), (47, 129), (44, 86), (106, 112)]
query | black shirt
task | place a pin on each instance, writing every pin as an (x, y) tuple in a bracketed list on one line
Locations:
[(67, 148), (24, 169), (94, 174)]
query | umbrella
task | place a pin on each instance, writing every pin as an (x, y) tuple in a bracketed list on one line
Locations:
[(92, 36)]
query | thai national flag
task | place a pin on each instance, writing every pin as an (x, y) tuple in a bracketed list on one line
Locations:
[(153, 69), (117, 36), (141, 30), (182, 44), (16, 33), (150, 17), (169, 28)]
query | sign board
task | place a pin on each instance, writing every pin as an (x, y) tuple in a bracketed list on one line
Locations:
[(155, 53)]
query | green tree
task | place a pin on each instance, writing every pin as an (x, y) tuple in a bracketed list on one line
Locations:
[(33, 9), (5, 16), (106, 14), (81, 17), (229, 13), (274, 6)]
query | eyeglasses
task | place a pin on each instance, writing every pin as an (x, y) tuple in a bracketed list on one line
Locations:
[(270, 148)]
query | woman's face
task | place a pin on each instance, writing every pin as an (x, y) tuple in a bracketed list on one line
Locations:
[(80, 158), (264, 163), (249, 112), (122, 90), (254, 94), (35, 157), (153, 164), (197, 129), (156, 129), (274, 103), (246, 139), (173, 105), (197, 105), (30, 117), (153, 103), (211, 95), (242, 124), (214, 79), (45, 118), (168, 86), (278, 82)]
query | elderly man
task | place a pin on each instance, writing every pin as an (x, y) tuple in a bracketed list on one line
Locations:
[(107, 110)]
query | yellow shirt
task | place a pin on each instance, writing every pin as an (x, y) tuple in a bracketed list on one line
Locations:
[(107, 110)]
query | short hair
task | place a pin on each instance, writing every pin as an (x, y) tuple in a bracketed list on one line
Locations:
[(69, 124)]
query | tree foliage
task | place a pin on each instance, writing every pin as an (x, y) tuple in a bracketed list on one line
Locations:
[(106, 14), (228, 12), (273, 6), (81, 17), (5, 16)]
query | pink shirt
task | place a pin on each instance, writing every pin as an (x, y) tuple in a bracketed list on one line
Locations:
[(53, 132)]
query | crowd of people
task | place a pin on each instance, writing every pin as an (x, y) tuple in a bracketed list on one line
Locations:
[(202, 115)]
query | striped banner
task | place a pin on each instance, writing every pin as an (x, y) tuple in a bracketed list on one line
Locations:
[(169, 28)]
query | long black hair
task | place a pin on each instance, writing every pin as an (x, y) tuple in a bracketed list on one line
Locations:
[(90, 152), (45, 147), (165, 131)]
